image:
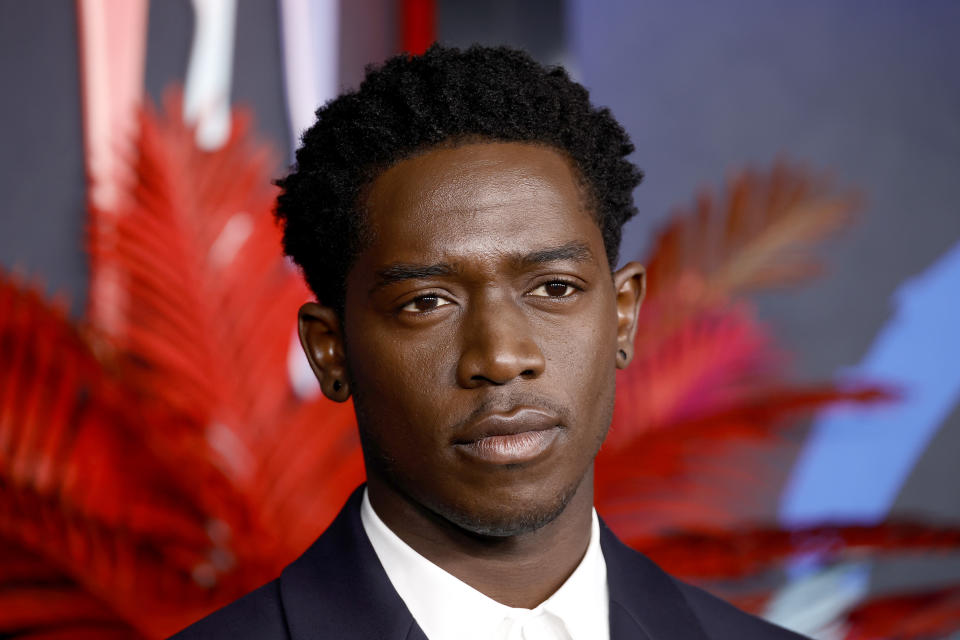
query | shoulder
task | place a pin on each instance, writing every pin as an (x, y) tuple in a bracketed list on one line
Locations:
[(665, 607), (258, 614), (723, 621)]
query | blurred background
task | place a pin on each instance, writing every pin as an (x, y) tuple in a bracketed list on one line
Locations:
[(867, 92)]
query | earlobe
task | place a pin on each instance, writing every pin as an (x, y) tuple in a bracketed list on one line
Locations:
[(322, 341), (630, 284)]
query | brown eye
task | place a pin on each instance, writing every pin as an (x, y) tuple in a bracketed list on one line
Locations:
[(425, 303), (555, 289)]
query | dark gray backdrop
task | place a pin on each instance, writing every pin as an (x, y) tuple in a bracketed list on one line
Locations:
[(868, 90)]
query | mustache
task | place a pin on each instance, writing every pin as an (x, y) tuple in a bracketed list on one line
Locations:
[(507, 402)]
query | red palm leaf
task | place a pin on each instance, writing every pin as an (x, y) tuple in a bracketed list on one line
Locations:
[(38, 600), (711, 358), (928, 615), (696, 348), (79, 487), (209, 306), (759, 233), (175, 469), (692, 472), (710, 553), (69, 432)]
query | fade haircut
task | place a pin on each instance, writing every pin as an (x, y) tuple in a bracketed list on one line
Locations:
[(446, 96)]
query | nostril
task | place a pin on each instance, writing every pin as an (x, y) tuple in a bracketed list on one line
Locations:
[(529, 373)]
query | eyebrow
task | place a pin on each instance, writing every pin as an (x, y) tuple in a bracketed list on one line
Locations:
[(572, 251), (400, 272)]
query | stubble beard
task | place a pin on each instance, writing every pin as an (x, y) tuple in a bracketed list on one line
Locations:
[(505, 524), (502, 522)]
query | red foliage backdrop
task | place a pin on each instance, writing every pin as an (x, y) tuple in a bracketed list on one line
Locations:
[(158, 468)]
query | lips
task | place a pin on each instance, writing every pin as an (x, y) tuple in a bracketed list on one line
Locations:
[(516, 437)]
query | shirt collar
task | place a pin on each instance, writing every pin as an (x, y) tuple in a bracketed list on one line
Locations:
[(445, 607)]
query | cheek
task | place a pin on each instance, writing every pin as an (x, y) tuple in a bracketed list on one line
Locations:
[(397, 379), (584, 363), (595, 384)]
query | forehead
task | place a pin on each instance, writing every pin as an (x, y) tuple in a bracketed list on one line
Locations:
[(478, 198)]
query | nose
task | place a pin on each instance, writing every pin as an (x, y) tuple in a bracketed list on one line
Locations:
[(498, 345)]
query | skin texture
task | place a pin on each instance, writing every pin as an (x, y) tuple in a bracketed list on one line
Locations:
[(483, 299)]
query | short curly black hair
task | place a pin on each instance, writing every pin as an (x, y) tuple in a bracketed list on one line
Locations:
[(445, 96)]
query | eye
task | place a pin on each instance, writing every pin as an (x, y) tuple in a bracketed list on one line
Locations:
[(425, 303), (555, 289)]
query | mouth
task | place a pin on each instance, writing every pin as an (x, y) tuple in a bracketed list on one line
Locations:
[(517, 437)]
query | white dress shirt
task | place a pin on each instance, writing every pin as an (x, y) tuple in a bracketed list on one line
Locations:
[(446, 608)]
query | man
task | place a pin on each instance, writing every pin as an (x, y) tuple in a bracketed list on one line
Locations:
[(458, 218)]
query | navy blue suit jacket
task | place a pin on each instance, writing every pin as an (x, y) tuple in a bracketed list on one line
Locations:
[(338, 590)]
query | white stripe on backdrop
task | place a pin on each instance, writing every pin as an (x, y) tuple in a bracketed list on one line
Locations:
[(311, 44), (206, 94), (112, 38), (310, 36)]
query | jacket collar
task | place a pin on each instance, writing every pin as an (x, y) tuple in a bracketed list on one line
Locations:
[(338, 589), (645, 602)]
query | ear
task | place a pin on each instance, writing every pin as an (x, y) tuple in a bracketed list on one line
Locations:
[(630, 283), (322, 340)]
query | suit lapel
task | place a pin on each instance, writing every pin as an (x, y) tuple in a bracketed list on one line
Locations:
[(338, 588), (645, 603), (416, 633)]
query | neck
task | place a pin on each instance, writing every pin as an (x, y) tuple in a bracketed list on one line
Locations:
[(518, 571)]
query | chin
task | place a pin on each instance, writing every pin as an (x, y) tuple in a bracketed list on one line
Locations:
[(503, 520)]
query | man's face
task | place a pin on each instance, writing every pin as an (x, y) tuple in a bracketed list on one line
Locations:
[(481, 333)]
